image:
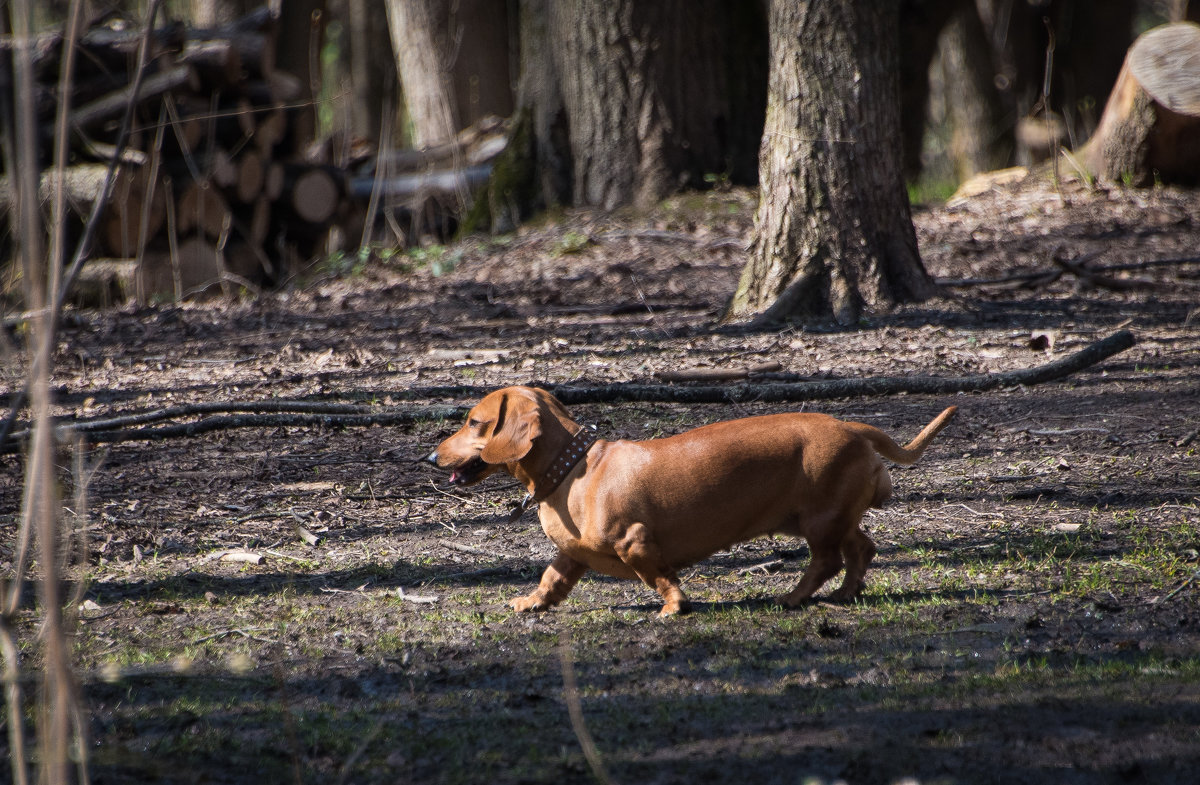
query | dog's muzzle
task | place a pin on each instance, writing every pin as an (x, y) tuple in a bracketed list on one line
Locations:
[(465, 474), (469, 472)]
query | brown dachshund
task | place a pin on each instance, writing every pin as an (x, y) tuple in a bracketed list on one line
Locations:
[(648, 509)]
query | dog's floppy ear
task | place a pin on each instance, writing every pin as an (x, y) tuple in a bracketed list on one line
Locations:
[(517, 425)]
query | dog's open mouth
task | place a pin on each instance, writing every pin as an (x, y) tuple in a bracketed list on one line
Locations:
[(469, 472)]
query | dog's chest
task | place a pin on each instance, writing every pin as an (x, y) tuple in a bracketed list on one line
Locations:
[(561, 530), (593, 551), (579, 541)]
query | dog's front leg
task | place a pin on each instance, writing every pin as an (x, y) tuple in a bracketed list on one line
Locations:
[(638, 549), (557, 581)]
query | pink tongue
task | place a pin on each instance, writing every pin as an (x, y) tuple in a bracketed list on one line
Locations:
[(453, 476)]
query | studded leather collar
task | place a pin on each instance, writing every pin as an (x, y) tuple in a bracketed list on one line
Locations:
[(571, 454)]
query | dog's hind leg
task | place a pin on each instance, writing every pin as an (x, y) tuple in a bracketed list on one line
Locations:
[(638, 549), (557, 581), (858, 551), (826, 562)]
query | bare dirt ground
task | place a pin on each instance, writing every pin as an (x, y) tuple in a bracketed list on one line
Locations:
[(1033, 614)]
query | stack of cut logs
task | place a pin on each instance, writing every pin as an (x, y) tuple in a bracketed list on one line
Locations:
[(212, 190)]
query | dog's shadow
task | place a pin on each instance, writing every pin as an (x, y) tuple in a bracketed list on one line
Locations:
[(710, 607), (772, 604)]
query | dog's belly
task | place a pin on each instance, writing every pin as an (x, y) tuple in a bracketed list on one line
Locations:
[(680, 552), (677, 552), (602, 559)]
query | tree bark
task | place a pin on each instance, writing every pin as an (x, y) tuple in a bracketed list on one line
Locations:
[(833, 231), (422, 56), (618, 123), (546, 144), (625, 102), (978, 143), (658, 94)]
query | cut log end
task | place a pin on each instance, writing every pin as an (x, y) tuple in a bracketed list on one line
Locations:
[(1150, 129), (314, 195)]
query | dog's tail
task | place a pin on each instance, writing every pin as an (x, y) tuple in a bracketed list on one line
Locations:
[(910, 452)]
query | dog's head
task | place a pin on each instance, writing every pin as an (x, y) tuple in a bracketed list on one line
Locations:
[(501, 430)]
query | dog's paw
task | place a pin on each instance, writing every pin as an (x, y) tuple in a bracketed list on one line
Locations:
[(791, 602), (675, 608), (846, 594), (533, 602)]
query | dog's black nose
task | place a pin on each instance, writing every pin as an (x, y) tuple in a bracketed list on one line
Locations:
[(430, 458)]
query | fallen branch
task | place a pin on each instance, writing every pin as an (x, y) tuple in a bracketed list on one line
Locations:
[(214, 407), (1038, 277), (292, 414), (115, 429), (241, 556), (717, 374), (850, 388), (1046, 275), (673, 237), (221, 423), (419, 599), (1095, 277), (1188, 582), (245, 632)]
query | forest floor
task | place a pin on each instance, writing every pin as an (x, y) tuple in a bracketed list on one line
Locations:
[(1033, 615)]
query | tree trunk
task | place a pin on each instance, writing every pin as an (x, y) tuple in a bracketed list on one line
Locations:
[(1151, 124), (654, 93), (833, 231), (422, 60), (618, 123), (1183, 11), (978, 143), (543, 141), (625, 102)]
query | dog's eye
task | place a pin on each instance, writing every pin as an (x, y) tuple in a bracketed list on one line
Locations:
[(476, 424)]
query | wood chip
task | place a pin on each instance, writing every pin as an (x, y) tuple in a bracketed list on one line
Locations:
[(419, 599), (245, 557), (303, 533)]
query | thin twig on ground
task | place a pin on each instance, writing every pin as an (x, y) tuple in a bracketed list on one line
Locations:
[(764, 566), (1188, 582)]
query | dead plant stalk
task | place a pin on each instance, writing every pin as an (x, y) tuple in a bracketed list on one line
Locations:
[(61, 719)]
